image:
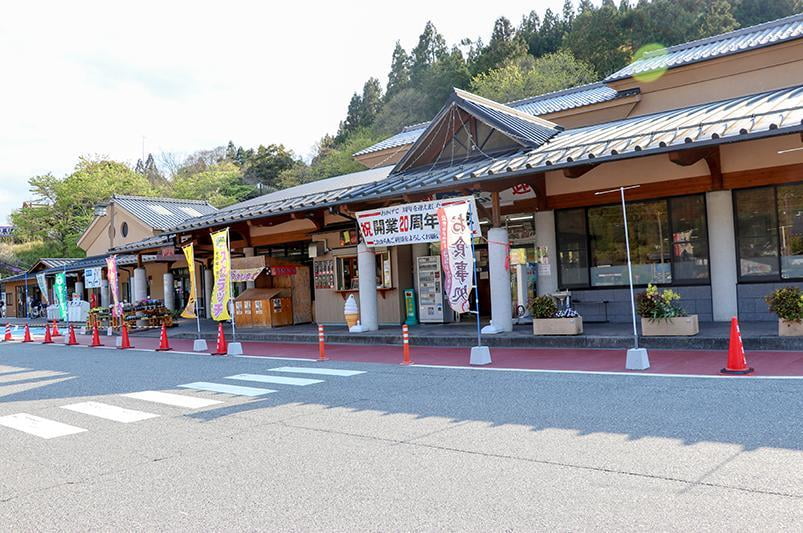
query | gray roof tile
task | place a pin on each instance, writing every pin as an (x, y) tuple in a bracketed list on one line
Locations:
[(163, 213)]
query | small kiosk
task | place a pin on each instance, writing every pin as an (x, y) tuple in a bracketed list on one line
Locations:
[(281, 295)]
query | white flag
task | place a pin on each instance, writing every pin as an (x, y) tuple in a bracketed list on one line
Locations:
[(457, 255)]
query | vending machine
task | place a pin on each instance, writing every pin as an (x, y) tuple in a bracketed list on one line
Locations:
[(430, 290)]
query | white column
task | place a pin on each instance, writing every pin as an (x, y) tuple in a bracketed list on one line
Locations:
[(169, 294), (501, 297), (366, 265), (104, 292), (721, 246), (248, 252), (545, 240), (79, 289), (208, 282), (140, 285), (418, 250)]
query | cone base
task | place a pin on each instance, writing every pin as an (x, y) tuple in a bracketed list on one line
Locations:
[(737, 372)]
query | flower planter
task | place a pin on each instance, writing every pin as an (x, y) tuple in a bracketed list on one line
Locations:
[(558, 326), (670, 327), (790, 328)]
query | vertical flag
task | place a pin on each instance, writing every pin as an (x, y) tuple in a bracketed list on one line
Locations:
[(221, 292), (40, 279), (189, 309), (457, 256), (111, 275), (60, 290)]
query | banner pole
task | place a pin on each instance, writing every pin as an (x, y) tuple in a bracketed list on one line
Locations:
[(231, 288), (25, 304), (197, 315), (476, 293)]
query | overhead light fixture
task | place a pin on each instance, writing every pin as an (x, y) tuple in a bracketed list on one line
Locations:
[(520, 218)]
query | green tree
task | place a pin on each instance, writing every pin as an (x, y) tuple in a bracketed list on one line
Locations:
[(597, 38), (504, 45), (262, 169), (362, 109), (220, 184), (717, 18), (399, 75), (448, 72), (408, 106), (751, 12), (431, 47)]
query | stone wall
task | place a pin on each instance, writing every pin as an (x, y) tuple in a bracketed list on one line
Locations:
[(696, 300), (752, 306)]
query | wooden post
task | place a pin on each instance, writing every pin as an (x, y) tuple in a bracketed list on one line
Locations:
[(496, 210)]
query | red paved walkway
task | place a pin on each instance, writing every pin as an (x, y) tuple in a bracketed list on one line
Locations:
[(662, 361)]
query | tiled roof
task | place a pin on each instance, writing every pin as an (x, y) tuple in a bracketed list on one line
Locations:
[(57, 262), (750, 38), (163, 213)]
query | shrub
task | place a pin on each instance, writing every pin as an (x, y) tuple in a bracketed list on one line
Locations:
[(655, 305), (787, 303), (543, 307)]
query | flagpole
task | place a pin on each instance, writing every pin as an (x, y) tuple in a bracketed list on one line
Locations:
[(231, 288), (476, 293), (27, 317), (195, 295)]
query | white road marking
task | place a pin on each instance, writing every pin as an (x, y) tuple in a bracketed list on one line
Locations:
[(279, 380), (109, 412), (317, 371), (6, 369), (38, 426), (32, 374), (176, 400), (227, 389)]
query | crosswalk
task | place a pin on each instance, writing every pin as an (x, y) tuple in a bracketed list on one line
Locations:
[(46, 428)]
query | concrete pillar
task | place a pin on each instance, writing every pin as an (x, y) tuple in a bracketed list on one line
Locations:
[(721, 246), (79, 290), (140, 280), (169, 294), (248, 252), (366, 265), (418, 250), (501, 298), (545, 240), (208, 282), (104, 293)]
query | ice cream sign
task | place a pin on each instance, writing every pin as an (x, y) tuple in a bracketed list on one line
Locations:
[(410, 223)]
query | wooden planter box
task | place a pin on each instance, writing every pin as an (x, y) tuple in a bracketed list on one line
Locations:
[(790, 328), (670, 327), (558, 326)]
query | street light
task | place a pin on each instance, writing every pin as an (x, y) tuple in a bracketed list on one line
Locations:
[(637, 358)]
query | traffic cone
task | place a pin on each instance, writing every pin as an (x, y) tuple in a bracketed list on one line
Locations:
[(8, 336), (95, 337), (125, 343), (48, 338), (71, 340), (163, 344), (27, 337), (737, 360), (221, 348), (55, 332)]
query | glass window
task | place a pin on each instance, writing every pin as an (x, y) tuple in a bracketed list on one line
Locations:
[(757, 229), (572, 247), (790, 230), (689, 238)]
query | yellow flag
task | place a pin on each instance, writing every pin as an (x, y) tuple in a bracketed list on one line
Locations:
[(189, 309), (221, 291)]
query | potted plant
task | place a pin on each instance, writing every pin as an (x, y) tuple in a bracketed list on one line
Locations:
[(661, 315), (548, 320), (787, 303)]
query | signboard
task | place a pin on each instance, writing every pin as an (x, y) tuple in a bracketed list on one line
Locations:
[(189, 309), (221, 292), (457, 254), (411, 223), (40, 279), (60, 292), (92, 278), (111, 275)]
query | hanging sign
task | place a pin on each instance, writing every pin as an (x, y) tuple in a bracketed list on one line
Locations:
[(457, 256), (221, 292), (60, 292), (411, 223), (111, 275), (282, 270), (246, 274), (40, 279), (189, 309), (92, 278)]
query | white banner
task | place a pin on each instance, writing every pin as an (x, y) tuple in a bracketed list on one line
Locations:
[(92, 278), (457, 256), (411, 223)]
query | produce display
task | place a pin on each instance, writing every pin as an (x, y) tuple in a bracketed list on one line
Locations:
[(146, 314)]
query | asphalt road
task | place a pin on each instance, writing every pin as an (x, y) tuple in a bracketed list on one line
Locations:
[(391, 449)]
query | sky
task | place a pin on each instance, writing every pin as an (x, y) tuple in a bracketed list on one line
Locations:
[(107, 78)]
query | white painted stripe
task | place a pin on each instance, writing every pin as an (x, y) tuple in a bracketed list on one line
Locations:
[(604, 373), (176, 400), (38, 426), (279, 380), (317, 371), (5, 369), (109, 412), (279, 358), (227, 389)]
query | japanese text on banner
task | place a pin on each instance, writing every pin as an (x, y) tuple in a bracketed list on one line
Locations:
[(40, 279), (111, 275), (189, 309), (457, 256), (60, 290), (221, 291)]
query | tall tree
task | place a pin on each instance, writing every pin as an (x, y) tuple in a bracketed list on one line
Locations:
[(265, 166), (751, 12), (399, 75), (430, 48), (504, 45), (597, 38), (717, 18)]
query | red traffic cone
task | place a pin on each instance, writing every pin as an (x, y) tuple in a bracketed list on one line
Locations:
[(737, 360), (71, 340), (48, 338), (27, 337), (55, 332), (163, 344), (8, 336), (222, 347), (95, 337), (125, 342)]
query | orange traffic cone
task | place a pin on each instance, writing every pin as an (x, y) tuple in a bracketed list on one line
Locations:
[(27, 337), (48, 338), (737, 360), (55, 332), (163, 344), (125, 342), (8, 336), (222, 347), (71, 340), (95, 337)]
